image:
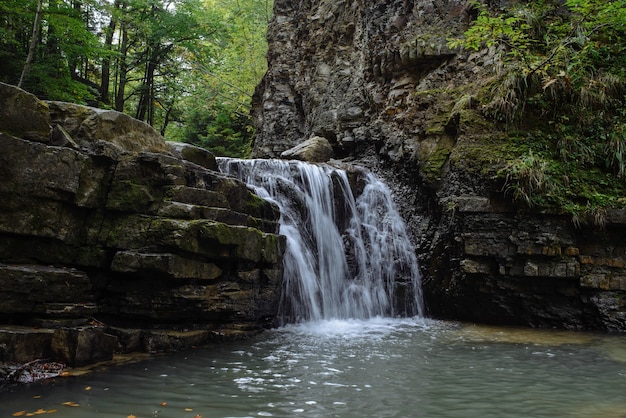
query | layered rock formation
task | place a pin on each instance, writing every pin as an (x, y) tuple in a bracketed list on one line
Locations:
[(377, 80), (113, 239)]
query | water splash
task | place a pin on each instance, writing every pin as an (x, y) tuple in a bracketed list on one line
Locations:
[(346, 256)]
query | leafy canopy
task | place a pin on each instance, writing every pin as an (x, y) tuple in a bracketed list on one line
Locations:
[(187, 67)]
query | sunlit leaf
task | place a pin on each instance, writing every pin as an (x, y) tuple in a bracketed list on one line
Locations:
[(19, 413)]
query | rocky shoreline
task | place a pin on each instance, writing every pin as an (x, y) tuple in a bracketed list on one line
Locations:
[(113, 240)]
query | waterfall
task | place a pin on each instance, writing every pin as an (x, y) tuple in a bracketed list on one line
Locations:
[(346, 256)]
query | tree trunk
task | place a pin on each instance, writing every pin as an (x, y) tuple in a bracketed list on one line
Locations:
[(33, 44), (122, 71), (146, 97), (105, 80)]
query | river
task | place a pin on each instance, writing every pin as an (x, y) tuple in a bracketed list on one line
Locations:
[(356, 368)]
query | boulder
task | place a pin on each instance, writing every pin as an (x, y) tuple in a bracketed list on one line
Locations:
[(23, 115), (23, 344), (193, 154), (81, 346), (314, 150), (88, 126)]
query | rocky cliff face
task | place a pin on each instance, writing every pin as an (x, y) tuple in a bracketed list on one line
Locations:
[(112, 239), (377, 80)]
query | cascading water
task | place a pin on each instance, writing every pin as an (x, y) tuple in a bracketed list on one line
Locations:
[(346, 257)]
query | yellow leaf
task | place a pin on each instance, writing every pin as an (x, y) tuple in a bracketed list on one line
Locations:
[(36, 396), (19, 413), (188, 410), (131, 416), (88, 388), (39, 412), (163, 404)]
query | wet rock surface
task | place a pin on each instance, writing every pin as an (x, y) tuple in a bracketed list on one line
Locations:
[(377, 80), (113, 240)]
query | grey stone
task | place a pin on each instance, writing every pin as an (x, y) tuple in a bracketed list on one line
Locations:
[(313, 150)]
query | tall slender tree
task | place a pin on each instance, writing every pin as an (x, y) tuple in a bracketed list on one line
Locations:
[(32, 45)]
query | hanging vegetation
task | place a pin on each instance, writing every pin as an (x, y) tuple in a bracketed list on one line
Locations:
[(561, 96)]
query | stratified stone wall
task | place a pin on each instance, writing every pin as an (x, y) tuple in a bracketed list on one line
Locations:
[(108, 231), (538, 269), (378, 81)]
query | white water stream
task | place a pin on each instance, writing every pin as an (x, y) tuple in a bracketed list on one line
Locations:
[(347, 256)]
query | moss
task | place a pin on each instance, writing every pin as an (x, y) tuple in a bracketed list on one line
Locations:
[(273, 248), (486, 157), (130, 197), (432, 165), (261, 208), (434, 130)]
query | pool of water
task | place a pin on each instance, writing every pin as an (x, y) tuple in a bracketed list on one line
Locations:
[(349, 368)]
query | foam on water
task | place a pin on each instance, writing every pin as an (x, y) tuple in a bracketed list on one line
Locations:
[(373, 328)]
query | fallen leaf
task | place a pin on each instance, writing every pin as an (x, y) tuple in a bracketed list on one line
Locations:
[(39, 412), (131, 416), (70, 403), (198, 416), (188, 410), (163, 404), (88, 388), (65, 374), (19, 413), (36, 396)]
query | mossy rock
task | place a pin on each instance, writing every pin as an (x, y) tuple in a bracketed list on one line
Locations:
[(432, 166)]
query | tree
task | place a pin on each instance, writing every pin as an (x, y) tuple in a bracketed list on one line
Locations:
[(162, 61), (33, 44), (222, 93)]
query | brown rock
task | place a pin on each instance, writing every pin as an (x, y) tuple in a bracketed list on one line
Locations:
[(314, 150), (81, 346), (87, 126), (23, 115)]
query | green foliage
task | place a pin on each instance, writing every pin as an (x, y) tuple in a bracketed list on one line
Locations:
[(527, 178), (564, 83), (221, 132), (221, 93), (167, 62), (493, 30)]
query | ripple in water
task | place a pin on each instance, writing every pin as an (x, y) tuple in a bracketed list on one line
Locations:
[(358, 368)]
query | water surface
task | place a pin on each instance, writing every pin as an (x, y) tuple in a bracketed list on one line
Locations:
[(355, 368)]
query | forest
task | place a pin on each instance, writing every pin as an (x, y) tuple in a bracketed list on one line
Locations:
[(186, 67)]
